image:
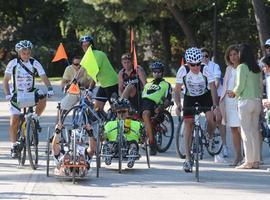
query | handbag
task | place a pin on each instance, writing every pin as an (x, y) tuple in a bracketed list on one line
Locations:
[(26, 99)]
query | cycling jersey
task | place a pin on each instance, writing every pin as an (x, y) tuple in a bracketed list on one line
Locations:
[(106, 76), (195, 84), (156, 90), (133, 78), (21, 79)]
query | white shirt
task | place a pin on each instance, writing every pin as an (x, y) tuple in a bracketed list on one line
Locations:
[(23, 79), (215, 70), (195, 83)]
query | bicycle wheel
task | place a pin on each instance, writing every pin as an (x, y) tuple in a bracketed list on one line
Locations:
[(74, 118), (74, 152), (216, 145), (180, 139), (196, 150), (48, 153), (98, 152), (164, 132), (21, 139), (32, 142), (147, 152)]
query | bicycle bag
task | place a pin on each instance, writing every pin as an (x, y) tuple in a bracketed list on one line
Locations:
[(26, 99)]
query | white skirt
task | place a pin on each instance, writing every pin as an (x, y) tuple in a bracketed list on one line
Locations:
[(232, 114)]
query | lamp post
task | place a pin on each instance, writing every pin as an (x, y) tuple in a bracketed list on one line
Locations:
[(215, 32)]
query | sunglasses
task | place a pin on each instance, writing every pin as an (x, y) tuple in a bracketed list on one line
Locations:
[(76, 64), (267, 46), (157, 71), (195, 64), (206, 56)]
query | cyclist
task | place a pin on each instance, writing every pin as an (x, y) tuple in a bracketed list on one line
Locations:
[(61, 157), (22, 71), (106, 77), (70, 72), (195, 77), (131, 81), (132, 132), (156, 94)]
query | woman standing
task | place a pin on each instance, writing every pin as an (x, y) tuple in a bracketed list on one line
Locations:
[(248, 92), (228, 106)]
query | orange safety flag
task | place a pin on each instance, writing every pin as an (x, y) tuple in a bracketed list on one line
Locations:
[(60, 53), (74, 89), (135, 62), (131, 40), (182, 62)]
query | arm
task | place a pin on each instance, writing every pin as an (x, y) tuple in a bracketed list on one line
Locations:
[(6, 79), (46, 81), (214, 95), (177, 97), (142, 75), (241, 78), (120, 83)]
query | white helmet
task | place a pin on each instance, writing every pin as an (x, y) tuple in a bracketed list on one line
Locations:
[(193, 55), (23, 44)]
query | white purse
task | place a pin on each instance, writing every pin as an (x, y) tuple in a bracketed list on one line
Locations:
[(26, 99)]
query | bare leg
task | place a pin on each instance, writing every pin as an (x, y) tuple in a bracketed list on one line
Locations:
[(148, 125), (211, 124), (236, 136), (99, 105), (40, 106), (130, 91), (13, 129), (188, 136)]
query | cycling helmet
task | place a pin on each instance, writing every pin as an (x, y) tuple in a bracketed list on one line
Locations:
[(193, 55), (86, 38), (121, 104), (157, 65), (23, 44)]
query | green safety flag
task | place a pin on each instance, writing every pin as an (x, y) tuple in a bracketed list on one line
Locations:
[(90, 64)]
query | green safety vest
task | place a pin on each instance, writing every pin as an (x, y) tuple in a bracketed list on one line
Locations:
[(156, 92), (132, 130)]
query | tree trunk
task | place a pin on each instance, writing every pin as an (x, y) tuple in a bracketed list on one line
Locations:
[(262, 21), (182, 22), (167, 45)]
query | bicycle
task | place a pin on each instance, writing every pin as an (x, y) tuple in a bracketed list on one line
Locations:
[(27, 137), (163, 127), (200, 138), (265, 127), (121, 144)]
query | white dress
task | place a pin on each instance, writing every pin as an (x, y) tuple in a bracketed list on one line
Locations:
[(231, 104)]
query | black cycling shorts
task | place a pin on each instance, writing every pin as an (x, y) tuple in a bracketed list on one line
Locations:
[(148, 104), (106, 93), (204, 100)]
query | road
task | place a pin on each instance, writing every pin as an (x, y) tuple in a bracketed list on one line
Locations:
[(164, 180)]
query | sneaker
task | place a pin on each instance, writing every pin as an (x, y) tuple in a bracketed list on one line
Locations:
[(107, 154), (153, 149), (225, 151), (132, 152), (219, 159), (187, 166), (14, 150)]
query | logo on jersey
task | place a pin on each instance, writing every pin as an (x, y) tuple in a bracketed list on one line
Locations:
[(153, 88)]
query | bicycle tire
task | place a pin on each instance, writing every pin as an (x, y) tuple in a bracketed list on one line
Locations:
[(119, 148), (98, 152), (217, 144), (74, 152), (32, 143), (21, 140), (48, 149), (165, 135), (196, 147), (180, 139), (147, 153)]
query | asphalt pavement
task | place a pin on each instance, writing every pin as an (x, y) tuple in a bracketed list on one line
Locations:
[(164, 180)]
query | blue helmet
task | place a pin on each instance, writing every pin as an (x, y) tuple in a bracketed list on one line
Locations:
[(157, 65)]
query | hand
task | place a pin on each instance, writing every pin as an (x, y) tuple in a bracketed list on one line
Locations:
[(9, 97), (217, 114), (58, 128), (178, 110), (50, 93), (230, 93), (66, 87)]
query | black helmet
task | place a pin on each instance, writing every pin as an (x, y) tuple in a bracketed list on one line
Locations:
[(87, 38), (157, 65), (121, 104)]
